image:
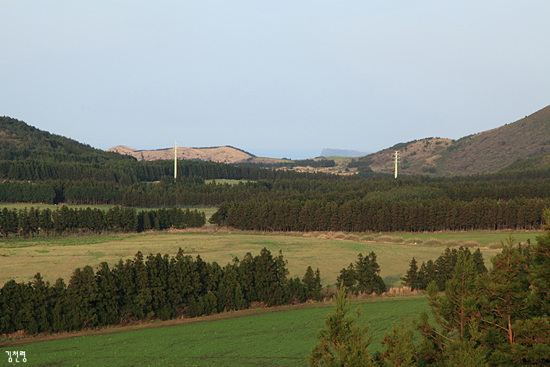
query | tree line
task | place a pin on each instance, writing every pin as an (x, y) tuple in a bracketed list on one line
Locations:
[(155, 286), (381, 215), (363, 276), (67, 221), (441, 270)]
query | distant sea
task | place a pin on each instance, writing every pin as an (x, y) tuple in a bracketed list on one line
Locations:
[(285, 153)]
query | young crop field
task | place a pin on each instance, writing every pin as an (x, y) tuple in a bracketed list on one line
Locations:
[(21, 259), (282, 336)]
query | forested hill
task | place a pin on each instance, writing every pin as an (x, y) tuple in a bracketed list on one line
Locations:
[(37, 166), (486, 152), (19, 141)]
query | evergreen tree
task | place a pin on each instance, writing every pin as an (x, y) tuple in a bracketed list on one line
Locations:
[(344, 342), (399, 348), (412, 279), (82, 295), (107, 296)]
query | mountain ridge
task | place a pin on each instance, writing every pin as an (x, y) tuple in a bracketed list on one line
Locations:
[(224, 154), (486, 152)]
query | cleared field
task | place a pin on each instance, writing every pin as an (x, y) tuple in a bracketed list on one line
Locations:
[(281, 338), (57, 257), (228, 181), (50, 206)]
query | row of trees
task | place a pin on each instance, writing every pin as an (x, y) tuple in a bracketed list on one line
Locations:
[(128, 183), (158, 286), (363, 277), (126, 172), (67, 221), (25, 192), (440, 270), (366, 215)]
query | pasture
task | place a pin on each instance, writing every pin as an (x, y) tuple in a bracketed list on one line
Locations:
[(21, 259), (281, 336)]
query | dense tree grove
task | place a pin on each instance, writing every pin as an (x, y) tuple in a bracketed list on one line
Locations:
[(363, 276), (381, 215), (440, 270), (499, 318), (155, 286), (66, 221)]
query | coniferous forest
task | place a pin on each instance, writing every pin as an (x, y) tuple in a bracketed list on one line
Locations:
[(39, 167)]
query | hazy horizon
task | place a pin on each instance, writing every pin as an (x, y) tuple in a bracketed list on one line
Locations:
[(283, 79)]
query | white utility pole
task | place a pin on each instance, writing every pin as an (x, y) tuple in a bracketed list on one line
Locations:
[(396, 160), (175, 160)]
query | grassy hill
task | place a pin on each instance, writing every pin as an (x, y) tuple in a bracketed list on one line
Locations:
[(487, 152), (226, 154)]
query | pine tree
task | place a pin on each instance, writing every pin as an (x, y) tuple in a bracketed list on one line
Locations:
[(344, 342), (412, 278), (107, 297), (399, 348), (82, 295)]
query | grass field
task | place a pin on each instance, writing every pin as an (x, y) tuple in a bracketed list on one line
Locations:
[(21, 259), (228, 181), (281, 338)]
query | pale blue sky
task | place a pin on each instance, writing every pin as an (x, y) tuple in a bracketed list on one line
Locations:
[(280, 78)]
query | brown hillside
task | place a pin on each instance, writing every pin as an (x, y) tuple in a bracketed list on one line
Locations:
[(416, 157), (492, 150), (486, 152), (218, 154)]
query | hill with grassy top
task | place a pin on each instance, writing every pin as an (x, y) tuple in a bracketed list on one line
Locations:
[(526, 140), (225, 154)]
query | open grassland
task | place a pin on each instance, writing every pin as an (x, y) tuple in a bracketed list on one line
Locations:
[(281, 338), (228, 181), (49, 206), (21, 259)]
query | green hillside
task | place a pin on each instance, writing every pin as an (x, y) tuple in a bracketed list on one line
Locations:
[(19, 141)]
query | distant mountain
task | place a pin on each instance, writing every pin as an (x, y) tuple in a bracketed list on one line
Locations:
[(226, 154), (486, 152), (327, 152)]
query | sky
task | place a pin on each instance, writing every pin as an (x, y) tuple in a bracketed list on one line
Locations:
[(274, 78)]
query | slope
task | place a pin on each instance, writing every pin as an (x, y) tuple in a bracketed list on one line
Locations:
[(226, 154), (486, 152), (19, 141)]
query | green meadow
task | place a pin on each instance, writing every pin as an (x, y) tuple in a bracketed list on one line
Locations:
[(283, 336)]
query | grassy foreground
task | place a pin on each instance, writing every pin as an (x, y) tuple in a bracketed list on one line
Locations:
[(281, 338), (21, 259)]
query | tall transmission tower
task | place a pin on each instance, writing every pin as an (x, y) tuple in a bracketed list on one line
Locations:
[(396, 159), (175, 160)]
